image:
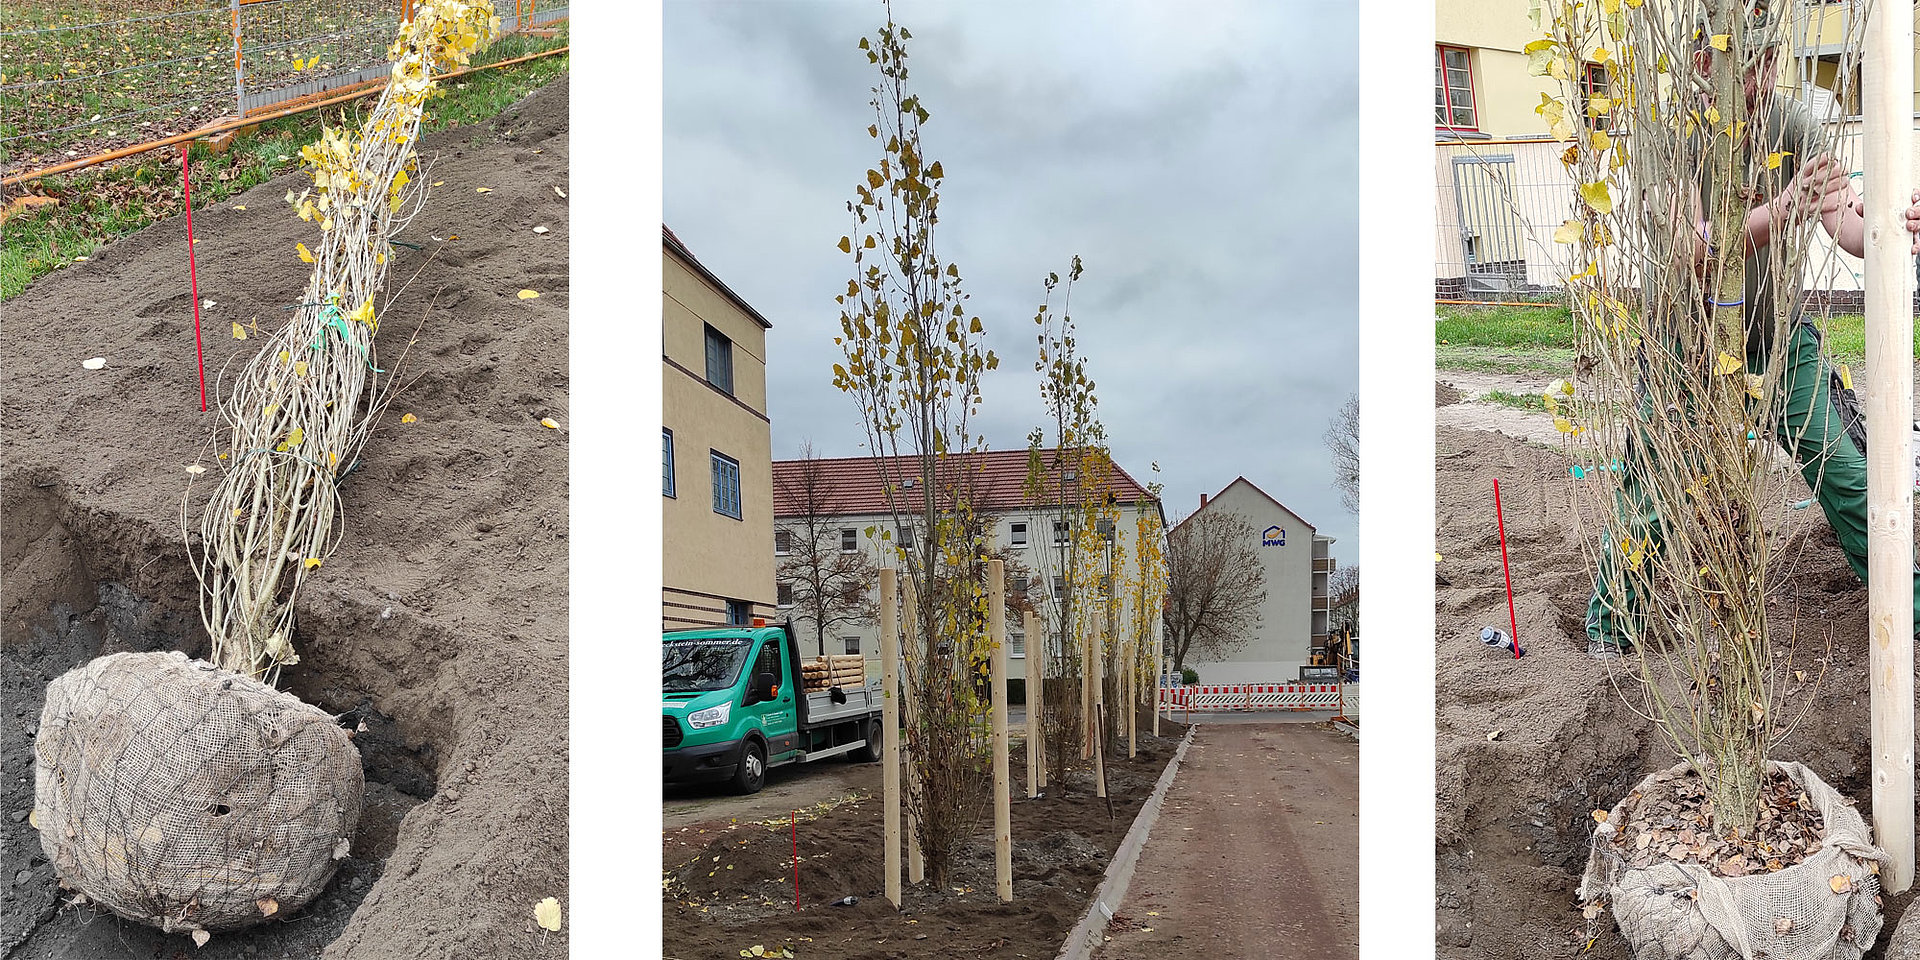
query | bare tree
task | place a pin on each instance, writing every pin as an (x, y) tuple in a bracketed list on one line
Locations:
[(831, 586), (1343, 441), (1216, 586), (1343, 587)]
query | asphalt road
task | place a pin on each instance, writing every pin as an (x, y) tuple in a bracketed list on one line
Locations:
[(1255, 854)]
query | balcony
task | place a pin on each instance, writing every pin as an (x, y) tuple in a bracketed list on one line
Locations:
[(1322, 603), (1322, 564)]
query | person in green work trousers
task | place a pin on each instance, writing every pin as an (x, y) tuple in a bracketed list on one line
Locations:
[(1808, 183)]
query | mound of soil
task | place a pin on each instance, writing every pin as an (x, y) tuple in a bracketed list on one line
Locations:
[(440, 625), (1527, 749), (729, 885)]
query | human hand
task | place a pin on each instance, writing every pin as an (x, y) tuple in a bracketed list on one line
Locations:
[(1821, 186), (1912, 218)]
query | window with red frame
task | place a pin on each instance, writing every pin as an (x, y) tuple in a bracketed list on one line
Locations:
[(1453, 88), (1593, 83)]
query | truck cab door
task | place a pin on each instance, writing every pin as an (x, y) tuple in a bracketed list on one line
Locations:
[(779, 717)]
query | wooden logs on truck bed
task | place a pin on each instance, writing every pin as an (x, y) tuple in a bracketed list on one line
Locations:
[(848, 670)]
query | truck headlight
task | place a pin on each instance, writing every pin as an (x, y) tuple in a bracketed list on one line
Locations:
[(710, 717)]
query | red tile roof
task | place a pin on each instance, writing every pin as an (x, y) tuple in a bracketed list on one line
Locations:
[(854, 485)]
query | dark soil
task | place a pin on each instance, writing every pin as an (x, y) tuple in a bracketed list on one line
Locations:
[(1527, 749), (441, 621), (729, 885)]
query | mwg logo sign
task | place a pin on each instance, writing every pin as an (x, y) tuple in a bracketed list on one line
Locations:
[(1274, 537)]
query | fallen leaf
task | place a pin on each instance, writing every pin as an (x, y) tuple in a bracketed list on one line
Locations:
[(1493, 735), (438, 182), (296, 435), (268, 906), (340, 849), (547, 913), (408, 418), (1727, 364), (299, 367), (529, 294), (305, 254), (200, 938), (552, 424), (482, 189), (311, 562), (207, 304), (1840, 883), (95, 363), (562, 193), (239, 206), (539, 229), (196, 469), (239, 332), (1599, 816)]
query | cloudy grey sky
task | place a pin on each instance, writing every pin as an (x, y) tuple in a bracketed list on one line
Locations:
[(1200, 157)]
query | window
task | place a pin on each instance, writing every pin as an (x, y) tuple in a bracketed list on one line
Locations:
[(726, 485), (1019, 534), (720, 361), (1453, 88), (849, 541), (783, 595), (1059, 532), (905, 538), (1059, 586), (740, 614), (852, 644), (1593, 83), (783, 542), (769, 662), (1016, 645), (666, 461)]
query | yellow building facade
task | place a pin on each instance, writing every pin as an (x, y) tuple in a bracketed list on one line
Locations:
[(716, 450)]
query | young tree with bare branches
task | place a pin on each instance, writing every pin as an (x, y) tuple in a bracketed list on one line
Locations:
[(1215, 586), (1343, 441), (831, 586)]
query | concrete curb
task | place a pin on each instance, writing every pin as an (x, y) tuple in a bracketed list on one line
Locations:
[(1347, 728), (1086, 935)]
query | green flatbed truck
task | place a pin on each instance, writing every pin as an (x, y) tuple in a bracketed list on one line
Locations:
[(736, 706)]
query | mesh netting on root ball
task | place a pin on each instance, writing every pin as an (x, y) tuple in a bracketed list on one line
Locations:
[(1822, 908), (188, 797)]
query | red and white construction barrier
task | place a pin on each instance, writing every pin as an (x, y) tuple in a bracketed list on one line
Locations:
[(1243, 697)]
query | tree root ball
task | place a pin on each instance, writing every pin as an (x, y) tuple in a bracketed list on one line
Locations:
[(190, 798)]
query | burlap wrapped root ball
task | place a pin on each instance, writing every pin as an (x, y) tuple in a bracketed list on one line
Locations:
[(1822, 908), (191, 798)]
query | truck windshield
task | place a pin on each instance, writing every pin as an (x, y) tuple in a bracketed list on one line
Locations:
[(699, 665)]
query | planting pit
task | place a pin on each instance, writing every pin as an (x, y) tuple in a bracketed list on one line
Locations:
[(745, 898), (440, 625), (1527, 749)]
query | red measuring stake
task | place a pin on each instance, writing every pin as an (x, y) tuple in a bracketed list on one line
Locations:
[(193, 277), (1512, 622)]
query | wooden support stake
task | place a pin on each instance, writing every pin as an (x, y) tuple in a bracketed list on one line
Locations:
[(1099, 714), (1887, 101), (890, 737), (1131, 699), (1159, 674), (1036, 696), (1086, 696), (1002, 778), (910, 700)]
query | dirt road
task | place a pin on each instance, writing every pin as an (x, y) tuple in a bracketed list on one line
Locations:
[(1255, 853)]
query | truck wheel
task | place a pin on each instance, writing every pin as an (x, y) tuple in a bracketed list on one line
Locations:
[(871, 752), (751, 774)]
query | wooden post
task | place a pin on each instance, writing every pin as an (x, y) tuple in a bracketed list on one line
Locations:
[(1130, 653), (916, 864), (1887, 101), (890, 737), (1099, 712), (1030, 626), (1002, 779), (1086, 696), (1159, 674)]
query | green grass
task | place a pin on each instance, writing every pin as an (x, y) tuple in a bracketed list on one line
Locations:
[(1510, 328), (1531, 401), (100, 205)]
